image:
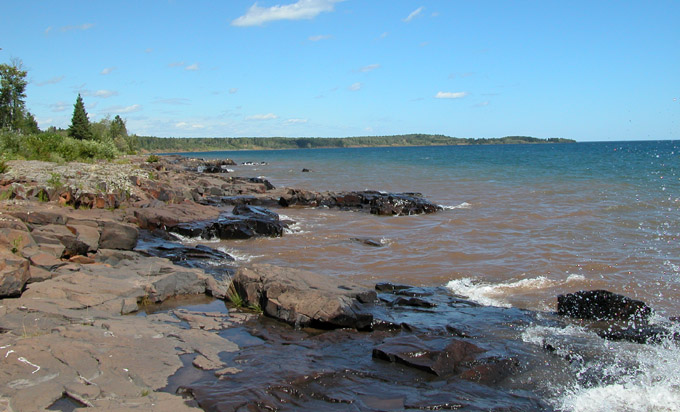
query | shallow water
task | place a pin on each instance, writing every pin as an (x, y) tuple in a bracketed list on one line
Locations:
[(522, 224)]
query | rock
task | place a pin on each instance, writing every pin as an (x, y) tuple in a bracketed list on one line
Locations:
[(368, 241), (416, 353), (412, 301), (639, 334), (390, 287), (87, 235), (378, 203), (602, 305), (245, 222), (14, 274), (46, 261), (490, 370), (155, 215), (303, 298), (305, 170), (116, 235)]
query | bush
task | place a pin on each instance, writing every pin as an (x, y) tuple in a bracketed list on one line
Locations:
[(54, 147), (3, 166)]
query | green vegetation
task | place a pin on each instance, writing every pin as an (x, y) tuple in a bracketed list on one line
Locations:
[(152, 159), (3, 166), (20, 137), (158, 144), (80, 124)]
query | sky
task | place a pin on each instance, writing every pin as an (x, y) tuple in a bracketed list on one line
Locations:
[(584, 70)]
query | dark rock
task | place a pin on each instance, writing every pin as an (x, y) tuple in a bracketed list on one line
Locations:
[(417, 353), (262, 181), (602, 305), (639, 334), (413, 302), (305, 170), (368, 241), (390, 287), (245, 222), (303, 298), (116, 235), (378, 203)]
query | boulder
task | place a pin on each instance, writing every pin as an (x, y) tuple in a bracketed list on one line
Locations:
[(303, 298), (14, 273), (116, 235), (245, 222), (602, 305)]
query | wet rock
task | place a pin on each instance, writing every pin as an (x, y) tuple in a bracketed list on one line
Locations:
[(420, 354), (14, 274), (411, 301), (639, 334), (602, 305), (116, 235), (387, 287), (245, 222), (490, 370), (301, 298), (305, 170), (378, 203), (368, 241)]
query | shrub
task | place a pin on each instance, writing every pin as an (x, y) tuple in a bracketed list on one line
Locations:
[(3, 166), (152, 159)]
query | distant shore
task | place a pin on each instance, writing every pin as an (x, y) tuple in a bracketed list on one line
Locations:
[(202, 144)]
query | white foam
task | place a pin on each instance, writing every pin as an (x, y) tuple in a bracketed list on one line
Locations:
[(638, 377), (494, 294), (464, 205), (192, 240), (238, 255)]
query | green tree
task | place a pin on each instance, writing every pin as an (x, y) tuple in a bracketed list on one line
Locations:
[(117, 128), (12, 95), (80, 124)]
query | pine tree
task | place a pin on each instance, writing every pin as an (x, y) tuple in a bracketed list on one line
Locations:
[(80, 124)]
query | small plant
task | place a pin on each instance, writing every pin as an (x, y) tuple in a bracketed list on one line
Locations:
[(43, 196), (4, 167), (16, 243), (55, 180), (234, 297), (255, 308), (153, 159), (145, 392), (7, 194), (144, 301)]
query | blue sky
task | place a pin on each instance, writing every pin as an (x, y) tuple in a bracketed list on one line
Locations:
[(586, 70)]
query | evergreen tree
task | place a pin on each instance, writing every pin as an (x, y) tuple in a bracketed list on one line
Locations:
[(117, 128), (12, 94), (80, 124)]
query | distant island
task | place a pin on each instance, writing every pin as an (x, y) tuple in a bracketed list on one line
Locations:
[(205, 144)]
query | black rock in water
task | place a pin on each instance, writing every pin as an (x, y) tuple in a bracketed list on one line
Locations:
[(602, 305)]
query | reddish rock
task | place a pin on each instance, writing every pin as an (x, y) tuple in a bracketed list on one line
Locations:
[(116, 235), (14, 274)]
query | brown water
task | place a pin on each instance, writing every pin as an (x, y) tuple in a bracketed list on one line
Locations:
[(521, 225)]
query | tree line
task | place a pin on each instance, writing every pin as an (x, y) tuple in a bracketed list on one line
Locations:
[(20, 136)]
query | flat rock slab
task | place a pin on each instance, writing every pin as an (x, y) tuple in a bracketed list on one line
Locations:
[(303, 298)]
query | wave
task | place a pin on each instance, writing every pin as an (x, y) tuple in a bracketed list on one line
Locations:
[(238, 256), (494, 294), (464, 205), (612, 376)]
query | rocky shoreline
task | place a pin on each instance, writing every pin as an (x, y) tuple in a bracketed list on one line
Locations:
[(71, 275), (87, 251)]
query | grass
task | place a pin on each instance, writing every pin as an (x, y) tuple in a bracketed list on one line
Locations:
[(55, 180), (153, 159), (54, 147)]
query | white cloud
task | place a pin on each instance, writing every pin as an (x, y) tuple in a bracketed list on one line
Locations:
[(302, 9), (193, 67), (148, 50), (295, 121), (181, 124), (233, 90), (369, 68), (415, 13), (450, 95), (176, 64), (123, 109), (268, 116), (48, 30), (107, 70), (104, 94), (384, 34), (59, 106), (53, 80), (354, 87), (320, 37)]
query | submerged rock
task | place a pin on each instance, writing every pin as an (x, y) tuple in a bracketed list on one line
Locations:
[(301, 298), (602, 305)]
